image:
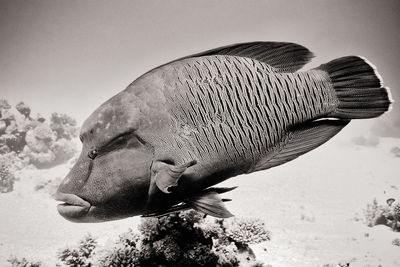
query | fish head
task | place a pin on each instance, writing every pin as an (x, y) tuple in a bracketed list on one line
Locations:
[(111, 177)]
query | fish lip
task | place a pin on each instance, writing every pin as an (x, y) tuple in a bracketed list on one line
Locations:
[(73, 207)]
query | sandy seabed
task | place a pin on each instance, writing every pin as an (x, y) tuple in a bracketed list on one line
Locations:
[(312, 207)]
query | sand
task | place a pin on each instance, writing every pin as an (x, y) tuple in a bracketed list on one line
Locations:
[(312, 206)]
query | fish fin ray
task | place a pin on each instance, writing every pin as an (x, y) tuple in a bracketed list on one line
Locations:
[(283, 56), (173, 209), (166, 176), (219, 190), (209, 203), (359, 88), (302, 140)]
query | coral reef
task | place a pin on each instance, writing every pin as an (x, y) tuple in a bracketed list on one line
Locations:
[(79, 256), (34, 141), (4, 104), (64, 126), (23, 109), (180, 239)]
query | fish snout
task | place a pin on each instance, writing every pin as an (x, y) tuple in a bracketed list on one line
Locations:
[(73, 207)]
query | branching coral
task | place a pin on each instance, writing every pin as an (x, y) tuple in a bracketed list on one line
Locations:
[(388, 215), (183, 239), (246, 231), (373, 213), (15, 262), (80, 256), (227, 254)]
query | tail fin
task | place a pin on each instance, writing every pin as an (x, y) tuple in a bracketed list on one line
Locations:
[(358, 87)]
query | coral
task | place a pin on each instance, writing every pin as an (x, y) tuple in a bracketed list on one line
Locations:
[(168, 248), (393, 216), (396, 211), (192, 216), (23, 109), (63, 150), (64, 126), (40, 138), (246, 231), (4, 104), (44, 150), (199, 255), (4, 149), (388, 215), (149, 229), (40, 159), (119, 256), (211, 230), (7, 115), (13, 161), (373, 213), (6, 179), (15, 262), (226, 254), (3, 126), (14, 142), (79, 256), (179, 239), (35, 141)]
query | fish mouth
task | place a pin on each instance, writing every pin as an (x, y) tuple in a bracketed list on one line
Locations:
[(73, 207)]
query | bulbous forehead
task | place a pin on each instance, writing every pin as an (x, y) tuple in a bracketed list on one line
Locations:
[(118, 115), (141, 107)]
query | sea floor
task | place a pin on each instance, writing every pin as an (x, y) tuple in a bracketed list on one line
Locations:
[(313, 207)]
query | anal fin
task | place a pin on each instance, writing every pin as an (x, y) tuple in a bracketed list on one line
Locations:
[(301, 140)]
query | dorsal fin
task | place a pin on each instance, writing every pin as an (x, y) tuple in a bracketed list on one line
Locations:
[(284, 57), (302, 140)]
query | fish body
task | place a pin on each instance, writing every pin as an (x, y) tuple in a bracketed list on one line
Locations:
[(159, 145)]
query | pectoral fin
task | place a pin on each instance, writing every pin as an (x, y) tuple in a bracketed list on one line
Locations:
[(209, 202), (166, 176)]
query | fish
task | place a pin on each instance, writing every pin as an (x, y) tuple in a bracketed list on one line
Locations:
[(164, 143)]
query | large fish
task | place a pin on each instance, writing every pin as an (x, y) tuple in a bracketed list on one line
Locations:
[(161, 144)]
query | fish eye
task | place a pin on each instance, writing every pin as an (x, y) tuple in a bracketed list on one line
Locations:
[(92, 153)]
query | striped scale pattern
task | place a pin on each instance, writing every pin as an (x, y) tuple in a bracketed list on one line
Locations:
[(237, 109)]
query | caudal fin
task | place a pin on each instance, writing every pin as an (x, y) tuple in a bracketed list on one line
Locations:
[(358, 87)]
